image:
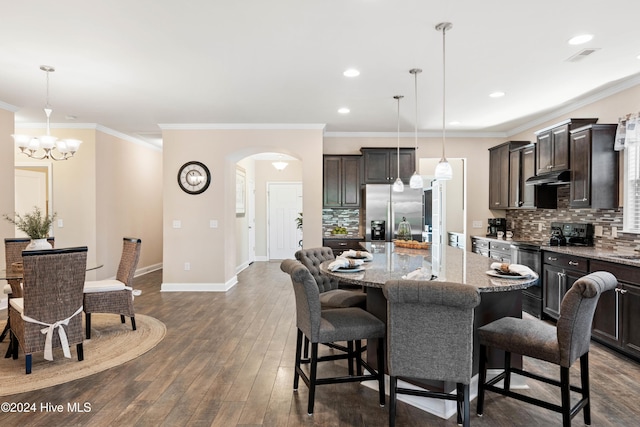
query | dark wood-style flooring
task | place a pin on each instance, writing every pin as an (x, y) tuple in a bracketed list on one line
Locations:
[(227, 360)]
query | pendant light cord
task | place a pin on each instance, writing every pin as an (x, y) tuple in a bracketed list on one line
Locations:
[(444, 132), (398, 97)]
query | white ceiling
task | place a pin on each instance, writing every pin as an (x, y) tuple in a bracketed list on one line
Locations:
[(133, 65)]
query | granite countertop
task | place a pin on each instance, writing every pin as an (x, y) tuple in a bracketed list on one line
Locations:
[(456, 265), (344, 237)]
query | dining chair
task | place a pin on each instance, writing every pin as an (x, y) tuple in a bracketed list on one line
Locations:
[(51, 302), (430, 337), (561, 345), (327, 326), (13, 247), (331, 296), (115, 295)]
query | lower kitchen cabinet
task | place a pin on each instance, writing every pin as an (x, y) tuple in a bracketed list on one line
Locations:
[(559, 272), (480, 246), (617, 316), (339, 245), (500, 251)]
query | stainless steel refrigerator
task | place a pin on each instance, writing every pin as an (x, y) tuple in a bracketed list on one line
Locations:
[(382, 204)]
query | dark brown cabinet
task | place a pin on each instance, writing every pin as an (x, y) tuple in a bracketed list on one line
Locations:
[(559, 272), (594, 167), (339, 245), (342, 181), (381, 165), (616, 320), (522, 164), (552, 152), (500, 174)]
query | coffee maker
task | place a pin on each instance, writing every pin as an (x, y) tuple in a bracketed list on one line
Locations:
[(496, 225)]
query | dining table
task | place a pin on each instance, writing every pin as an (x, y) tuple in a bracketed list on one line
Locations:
[(500, 294)]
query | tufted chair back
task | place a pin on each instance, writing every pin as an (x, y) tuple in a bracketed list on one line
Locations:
[(312, 258)]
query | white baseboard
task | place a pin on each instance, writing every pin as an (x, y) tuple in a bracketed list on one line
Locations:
[(262, 258), (199, 287)]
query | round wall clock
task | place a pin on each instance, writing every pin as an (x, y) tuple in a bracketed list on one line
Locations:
[(194, 177)]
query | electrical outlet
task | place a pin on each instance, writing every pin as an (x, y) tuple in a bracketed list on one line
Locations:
[(597, 231), (477, 224), (614, 232), (539, 226), (187, 266)]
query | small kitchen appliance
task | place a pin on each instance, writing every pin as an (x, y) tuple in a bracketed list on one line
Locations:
[(571, 234), (496, 225)]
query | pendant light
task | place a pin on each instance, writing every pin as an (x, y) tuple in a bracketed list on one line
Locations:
[(416, 180), (443, 170), (398, 185)]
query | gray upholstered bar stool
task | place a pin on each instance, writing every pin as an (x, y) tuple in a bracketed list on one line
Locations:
[(327, 326), (331, 296), (430, 337), (561, 345)]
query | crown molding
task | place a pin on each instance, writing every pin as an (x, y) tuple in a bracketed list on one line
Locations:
[(242, 126), (427, 134), (9, 107), (90, 126)]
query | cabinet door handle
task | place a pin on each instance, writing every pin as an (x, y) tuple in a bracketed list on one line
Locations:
[(552, 259), (549, 166), (579, 137), (584, 199), (622, 291), (574, 263)]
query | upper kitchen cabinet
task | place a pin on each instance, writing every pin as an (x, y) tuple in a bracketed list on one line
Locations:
[(553, 145), (522, 165), (594, 167), (381, 165), (499, 173), (341, 181)]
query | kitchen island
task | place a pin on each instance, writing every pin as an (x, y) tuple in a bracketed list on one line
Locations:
[(500, 297)]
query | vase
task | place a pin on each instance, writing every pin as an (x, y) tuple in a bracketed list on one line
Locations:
[(38, 244)]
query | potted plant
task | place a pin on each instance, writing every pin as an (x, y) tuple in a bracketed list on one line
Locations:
[(34, 224)]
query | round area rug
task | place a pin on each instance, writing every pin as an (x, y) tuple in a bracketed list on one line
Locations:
[(112, 343)]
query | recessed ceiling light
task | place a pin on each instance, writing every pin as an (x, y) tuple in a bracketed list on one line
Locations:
[(351, 72), (582, 38), (344, 110), (497, 94)]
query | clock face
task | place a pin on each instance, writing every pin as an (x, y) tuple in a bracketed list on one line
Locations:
[(194, 177)]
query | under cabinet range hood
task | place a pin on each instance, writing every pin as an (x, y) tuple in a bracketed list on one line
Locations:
[(552, 178)]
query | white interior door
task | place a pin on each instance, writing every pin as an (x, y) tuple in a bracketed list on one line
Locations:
[(30, 190), (251, 219), (285, 203)]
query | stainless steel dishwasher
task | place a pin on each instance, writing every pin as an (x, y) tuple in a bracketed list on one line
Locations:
[(529, 254)]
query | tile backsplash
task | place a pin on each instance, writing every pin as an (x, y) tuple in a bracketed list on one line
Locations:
[(347, 218), (536, 223)]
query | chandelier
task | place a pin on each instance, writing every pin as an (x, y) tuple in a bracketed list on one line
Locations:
[(42, 147)]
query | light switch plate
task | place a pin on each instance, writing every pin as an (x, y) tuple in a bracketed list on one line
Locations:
[(477, 224), (597, 231), (60, 223), (177, 223), (213, 223)]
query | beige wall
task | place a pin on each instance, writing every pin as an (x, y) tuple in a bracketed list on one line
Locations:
[(212, 252), (7, 178), (128, 188)]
